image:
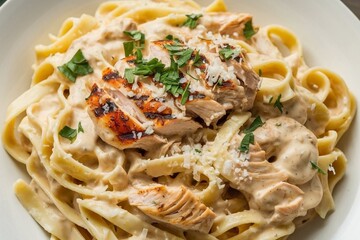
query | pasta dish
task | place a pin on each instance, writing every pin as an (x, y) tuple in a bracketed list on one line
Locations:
[(162, 119)]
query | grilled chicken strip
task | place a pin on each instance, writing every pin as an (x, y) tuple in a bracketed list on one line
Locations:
[(174, 205), (226, 23), (117, 127), (144, 104)]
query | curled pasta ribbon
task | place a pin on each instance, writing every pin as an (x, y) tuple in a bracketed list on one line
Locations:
[(280, 43), (336, 160), (45, 213), (327, 142), (246, 225), (276, 79), (72, 29), (61, 197), (11, 137), (331, 89), (144, 11)]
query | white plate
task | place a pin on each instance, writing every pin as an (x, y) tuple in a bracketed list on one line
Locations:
[(329, 32)]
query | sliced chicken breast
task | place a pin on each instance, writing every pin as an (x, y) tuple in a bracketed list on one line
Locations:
[(177, 206)]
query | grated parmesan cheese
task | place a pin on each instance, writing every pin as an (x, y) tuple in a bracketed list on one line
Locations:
[(331, 169), (216, 71)]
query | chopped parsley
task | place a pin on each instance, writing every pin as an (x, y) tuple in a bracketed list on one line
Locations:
[(270, 100), (246, 141), (249, 135), (316, 167), (129, 75), (228, 52), (260, 72), (129, 48), (77, 66), (278, 104), (249, 30), (186, 94), (137, 44), (169, 76), (197, 150), (183, 54), (184, 57), (70, 133), (192, 20), (80, 128), (136, 36), (171, 37), (148, 68), (254, 125), (197, 59)]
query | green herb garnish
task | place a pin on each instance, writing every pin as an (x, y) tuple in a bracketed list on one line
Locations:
[(270, 100), (246, 141), (77, 66), (249, 135), (136, 36), (80, 128), (137, 44), (254, 125), (129, 75), (68, 133), (148, 68), (227, 53), (183, 54), (249, 30), (278, 104), (184, 57), (260, 73), (186, 94), (316, 167), (197, 59), (192, 20), (129, 48)]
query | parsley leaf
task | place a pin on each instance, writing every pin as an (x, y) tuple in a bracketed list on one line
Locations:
[(278, 104), (186, 94), (260, 72), (184, 54), (147, 68), (129, 75), (171, 37), (136, 36), (249, 135), (129, 48), (197, 59), (184, 57), (270, 100), (77, 66), (254, 125), (248, 30), (192, 20), (80, 128), (315, 166), (68, 133), (246, 141), (139, 43), (227, 53)]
